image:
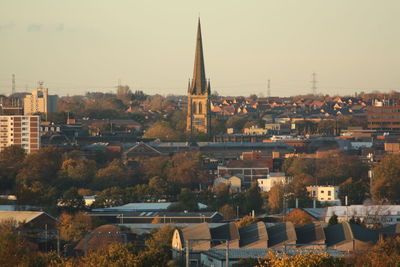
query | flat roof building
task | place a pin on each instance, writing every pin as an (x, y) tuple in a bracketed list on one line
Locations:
[(20, 130)]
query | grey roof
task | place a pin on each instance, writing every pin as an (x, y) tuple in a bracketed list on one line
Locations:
[(283, 232), (338, 233), (363, 234), (310, 233), (157, 206), (151, 214), (199, 231), (253, 233), (393, 228), (227, 231)]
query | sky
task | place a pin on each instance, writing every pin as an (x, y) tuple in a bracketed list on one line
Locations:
[(76, 46)]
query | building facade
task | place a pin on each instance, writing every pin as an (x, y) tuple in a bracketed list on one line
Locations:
[(199, 91), (383, 117), (20, 130), (328, 193), (40, 102)]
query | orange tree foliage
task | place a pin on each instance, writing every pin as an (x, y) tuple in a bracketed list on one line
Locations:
[(310, 259), (386, 182), (385, 253), (227, 211), (298, 217), (245, 221)]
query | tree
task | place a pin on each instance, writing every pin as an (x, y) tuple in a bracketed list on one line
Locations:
[(222, 195), (386, 182), (13, 248), (11, 159), (36, 193), (110, 197), (235, 122), (298, 217), (275, 197), (74, 227), (355, 191), (79, 169), (72, 201), (245, 221), (115, 174), (228, 212), (42, 165), (254, 201), (163, 131), (333, 220)]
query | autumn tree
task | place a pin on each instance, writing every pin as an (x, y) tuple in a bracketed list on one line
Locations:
[(74, 227), (115, 174), (275, 197), (355, 190), (298, 217), (13, 248), (80, 170), (228, 212), (386, 181), (163, 131), (245, 221), (236, 122)]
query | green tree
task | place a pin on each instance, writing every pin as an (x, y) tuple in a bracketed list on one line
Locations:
[(355, 190), (386, 181), (11, 159), (110, 197), (333, 220), (254, 200), (235, 122), (79, 169), (72, 201)]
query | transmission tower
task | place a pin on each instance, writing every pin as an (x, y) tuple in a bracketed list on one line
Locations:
[(269, 88), (13, 85), (314, 83)]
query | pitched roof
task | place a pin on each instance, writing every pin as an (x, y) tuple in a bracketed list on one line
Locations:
[(253, 233), (21, 216), (310, 233), (337, 234), (283, 232), (227, 231), (101, 238)]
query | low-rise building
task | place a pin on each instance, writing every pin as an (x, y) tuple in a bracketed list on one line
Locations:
[(327, 194), (273, 178)]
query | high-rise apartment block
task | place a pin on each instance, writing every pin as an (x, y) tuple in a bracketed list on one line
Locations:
[(40, 102), (20, 130)]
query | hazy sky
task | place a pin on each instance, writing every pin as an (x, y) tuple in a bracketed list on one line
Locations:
[(79, 45)]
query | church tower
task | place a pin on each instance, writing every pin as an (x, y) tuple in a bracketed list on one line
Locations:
[(199, 91)]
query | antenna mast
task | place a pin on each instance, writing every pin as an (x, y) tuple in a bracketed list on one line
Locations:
[(13, 85), (314, 83), (269, 88)]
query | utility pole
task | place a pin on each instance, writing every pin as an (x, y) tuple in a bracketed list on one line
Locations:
[(314, 83), (13, 85), (269, 88)]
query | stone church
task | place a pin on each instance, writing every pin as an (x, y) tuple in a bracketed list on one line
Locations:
[(199, 92)]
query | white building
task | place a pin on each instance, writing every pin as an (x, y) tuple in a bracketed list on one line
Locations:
[(273, 178), (20, 130), (328, 193), (369, 214), (234, 181)]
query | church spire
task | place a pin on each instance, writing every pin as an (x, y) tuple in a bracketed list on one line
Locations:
[(199, 82)]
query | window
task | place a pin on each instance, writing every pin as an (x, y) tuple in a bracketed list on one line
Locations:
[(194, 107), (322, 191), (200, 108), (329, 193)]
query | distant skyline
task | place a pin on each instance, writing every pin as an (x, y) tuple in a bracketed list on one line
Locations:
[(79, 46)]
